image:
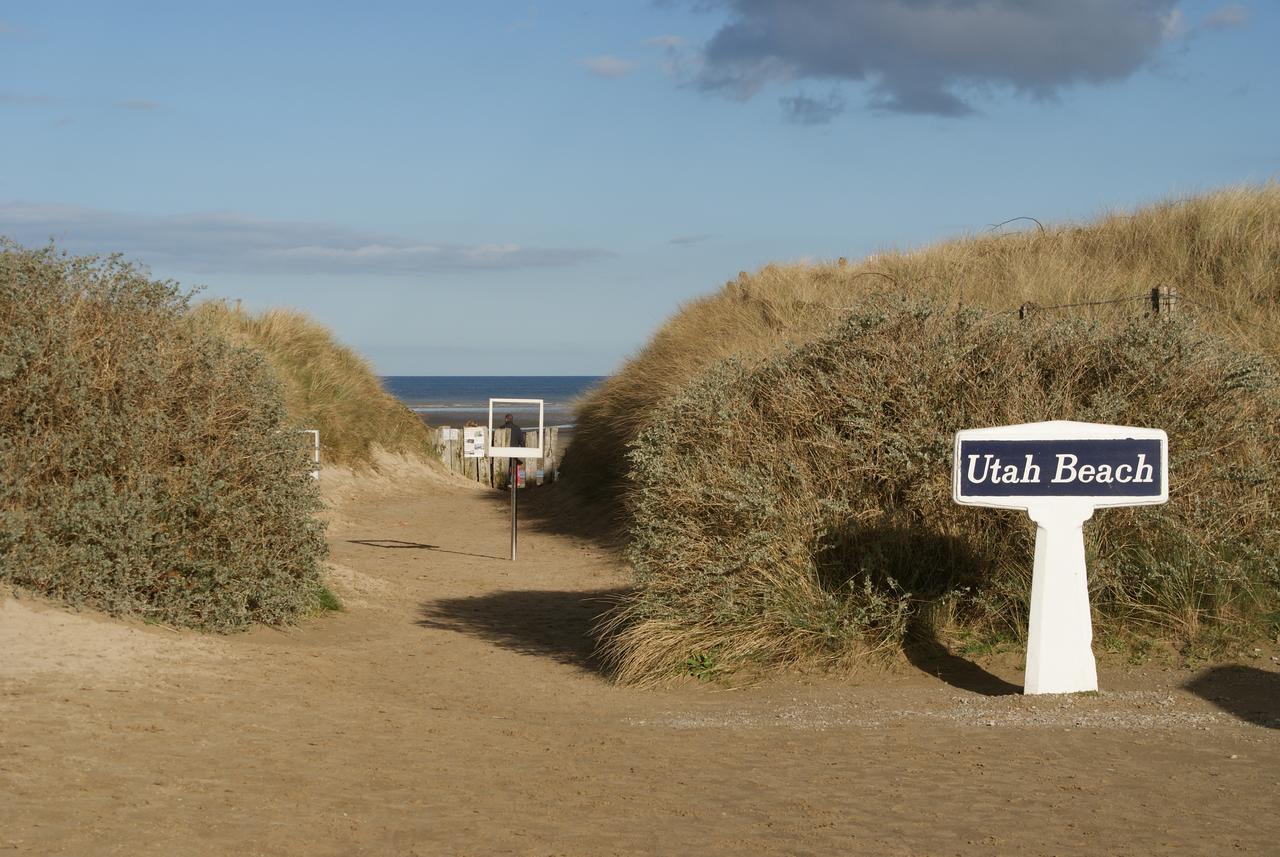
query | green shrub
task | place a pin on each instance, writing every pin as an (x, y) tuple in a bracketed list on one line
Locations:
[(798, 510), (144, 465)]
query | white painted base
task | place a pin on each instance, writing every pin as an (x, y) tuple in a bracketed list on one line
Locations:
[(1060, 635)]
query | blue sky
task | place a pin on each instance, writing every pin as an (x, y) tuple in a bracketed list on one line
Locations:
[(531, 188)]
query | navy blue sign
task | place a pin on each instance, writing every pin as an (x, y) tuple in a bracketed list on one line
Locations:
[(1060, 468)]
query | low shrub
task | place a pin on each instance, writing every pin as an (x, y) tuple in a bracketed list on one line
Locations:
[(146, 468), (797, 510)]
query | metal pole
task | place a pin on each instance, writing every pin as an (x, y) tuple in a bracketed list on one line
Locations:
[(511, 477)]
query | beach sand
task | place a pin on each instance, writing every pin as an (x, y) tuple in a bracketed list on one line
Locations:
[(455, 708)]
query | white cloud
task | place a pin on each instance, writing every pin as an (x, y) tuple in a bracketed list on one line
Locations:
[(138, 104), (688, 240), (608, 66), (219, 242), (1175, 25), (21, 98), (1229, 16)]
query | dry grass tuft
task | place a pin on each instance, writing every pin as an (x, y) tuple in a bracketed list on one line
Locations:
[(327, 385)]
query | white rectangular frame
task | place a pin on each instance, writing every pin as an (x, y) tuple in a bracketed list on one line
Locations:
[(519, 451), (315, 450)]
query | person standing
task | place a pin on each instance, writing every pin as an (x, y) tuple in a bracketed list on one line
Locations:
[(517, 433), (517, 439)]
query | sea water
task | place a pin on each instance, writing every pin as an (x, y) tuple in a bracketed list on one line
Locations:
[(452, 400)]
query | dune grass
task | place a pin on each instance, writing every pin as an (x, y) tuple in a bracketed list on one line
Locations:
[(327, 386), (1221, 251), (788, 535), (811, 524)]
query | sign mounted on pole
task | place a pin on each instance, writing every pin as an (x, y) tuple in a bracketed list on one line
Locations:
[(530, 450), (1059, 472), (532, 447)]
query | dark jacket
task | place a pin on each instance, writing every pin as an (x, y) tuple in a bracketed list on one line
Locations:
[(517, 433)]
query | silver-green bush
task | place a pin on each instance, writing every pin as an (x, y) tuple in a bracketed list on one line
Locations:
[(798, 510), (145, 468)]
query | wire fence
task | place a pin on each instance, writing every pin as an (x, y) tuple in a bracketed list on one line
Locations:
[(1160, 302)]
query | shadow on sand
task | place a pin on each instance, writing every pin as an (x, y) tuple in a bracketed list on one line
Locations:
[(927, 653), (552, 624), (557, 509), (1251, 694), (399, 544)]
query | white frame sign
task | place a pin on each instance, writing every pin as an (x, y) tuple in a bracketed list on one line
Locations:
[(1059, 472), (518, 451)]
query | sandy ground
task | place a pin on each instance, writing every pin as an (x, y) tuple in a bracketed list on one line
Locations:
[(454, 708)]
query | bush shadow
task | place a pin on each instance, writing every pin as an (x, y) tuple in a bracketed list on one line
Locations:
[(553, 624), (559, 508), (400, 544), (1248, 693), (928, 565)]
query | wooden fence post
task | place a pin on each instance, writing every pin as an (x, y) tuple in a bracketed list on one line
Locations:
[(493, 471)]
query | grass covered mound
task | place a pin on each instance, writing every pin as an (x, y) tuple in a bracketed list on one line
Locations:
[(797, 510), (146, 466), (327, 386), (1220, 250)]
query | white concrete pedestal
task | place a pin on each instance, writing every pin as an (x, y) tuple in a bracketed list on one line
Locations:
[(1060, 634), (1059, 472)]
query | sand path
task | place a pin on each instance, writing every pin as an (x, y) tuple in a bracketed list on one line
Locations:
[(453, 709)]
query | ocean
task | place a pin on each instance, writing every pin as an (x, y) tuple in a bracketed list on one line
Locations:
[(451, 400)]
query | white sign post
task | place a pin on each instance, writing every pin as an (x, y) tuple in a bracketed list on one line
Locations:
[(315, 451), (1059, 472), (515, 452)]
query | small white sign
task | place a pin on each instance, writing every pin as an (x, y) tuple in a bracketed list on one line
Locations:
[(448, 434), (473, 442), (1059, 472)]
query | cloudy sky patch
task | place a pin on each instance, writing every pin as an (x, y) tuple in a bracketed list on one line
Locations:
[(437, 182), (23, 98), (803, 110), (1229, 16), (929, 56), (690, 240), (228, 242)]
